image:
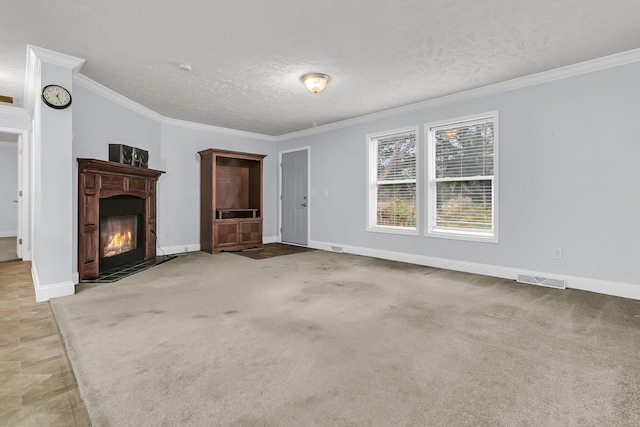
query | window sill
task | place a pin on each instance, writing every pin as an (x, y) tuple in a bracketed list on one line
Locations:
[(406, 231), (471, 236)]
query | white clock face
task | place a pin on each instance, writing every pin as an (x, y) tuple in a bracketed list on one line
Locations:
[(56, 96)]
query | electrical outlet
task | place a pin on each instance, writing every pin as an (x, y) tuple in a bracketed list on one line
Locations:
[(557, 253)]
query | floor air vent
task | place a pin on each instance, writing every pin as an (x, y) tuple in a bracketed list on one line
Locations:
[(542, 281)]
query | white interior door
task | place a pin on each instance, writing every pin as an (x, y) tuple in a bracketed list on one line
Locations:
[(294, 197)]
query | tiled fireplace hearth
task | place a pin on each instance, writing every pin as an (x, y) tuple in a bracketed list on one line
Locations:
[(116, 215)]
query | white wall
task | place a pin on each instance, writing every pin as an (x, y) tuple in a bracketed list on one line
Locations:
[(568, 158), (8, 188)]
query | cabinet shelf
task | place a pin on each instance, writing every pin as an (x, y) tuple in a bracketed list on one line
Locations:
[(237, 213)]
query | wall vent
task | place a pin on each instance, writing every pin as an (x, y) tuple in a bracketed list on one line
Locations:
[(336, 248), (542, 281)]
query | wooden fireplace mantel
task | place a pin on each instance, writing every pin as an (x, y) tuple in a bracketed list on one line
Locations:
[(100, 179)]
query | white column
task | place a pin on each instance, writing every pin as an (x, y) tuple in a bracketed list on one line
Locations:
[(53, 216)]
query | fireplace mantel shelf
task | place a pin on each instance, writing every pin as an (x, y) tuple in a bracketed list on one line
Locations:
[(95, 165), (100, 179)]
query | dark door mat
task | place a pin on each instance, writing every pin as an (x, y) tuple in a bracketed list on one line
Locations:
[(271, 250), (126, 270)]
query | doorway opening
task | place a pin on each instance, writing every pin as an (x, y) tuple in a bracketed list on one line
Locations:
[(14, 190)]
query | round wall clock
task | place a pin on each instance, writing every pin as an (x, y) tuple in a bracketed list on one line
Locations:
[(55, 96)]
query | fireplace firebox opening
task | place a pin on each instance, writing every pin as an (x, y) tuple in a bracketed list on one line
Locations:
[(122, 233)]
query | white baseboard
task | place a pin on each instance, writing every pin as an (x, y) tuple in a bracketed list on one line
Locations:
[(55, 290), (618, 289), (195, 247), (8, 234), (178, 249)]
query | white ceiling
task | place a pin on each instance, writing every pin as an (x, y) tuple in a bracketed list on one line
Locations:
[(248, 55)]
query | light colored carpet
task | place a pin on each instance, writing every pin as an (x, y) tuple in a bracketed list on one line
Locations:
[(8, 249), (325, 339)]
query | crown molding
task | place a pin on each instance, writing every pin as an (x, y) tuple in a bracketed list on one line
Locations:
[(216, 129), (573, 70)]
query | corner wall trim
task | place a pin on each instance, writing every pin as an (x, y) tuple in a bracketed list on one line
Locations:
[(618, 289)]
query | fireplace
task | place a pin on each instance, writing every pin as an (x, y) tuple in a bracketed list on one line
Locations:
[(116, 215), (121, 231)]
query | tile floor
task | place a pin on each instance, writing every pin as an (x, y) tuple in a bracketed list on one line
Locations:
[(37, 385)]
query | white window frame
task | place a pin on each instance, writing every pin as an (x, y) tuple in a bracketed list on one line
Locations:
[(431, 229), (372, 184)]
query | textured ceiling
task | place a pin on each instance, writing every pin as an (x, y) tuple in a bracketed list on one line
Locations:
[(248, 55)]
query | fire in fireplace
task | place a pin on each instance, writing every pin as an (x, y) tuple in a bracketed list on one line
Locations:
[(121, 231), (118, 234)]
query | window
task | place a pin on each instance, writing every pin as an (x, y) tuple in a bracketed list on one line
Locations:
[(462, 176), (392, 192)]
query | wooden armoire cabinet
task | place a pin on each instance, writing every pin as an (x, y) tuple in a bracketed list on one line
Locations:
[(230, 200)]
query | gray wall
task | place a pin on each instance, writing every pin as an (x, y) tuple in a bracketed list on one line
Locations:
[(568, 157), (98, 122), (178, 191), (568, 150)]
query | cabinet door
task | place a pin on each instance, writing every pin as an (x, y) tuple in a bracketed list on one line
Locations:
[(250, 232), (225, 234)]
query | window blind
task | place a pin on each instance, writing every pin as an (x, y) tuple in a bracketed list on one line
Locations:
[(465, 150), (396, 180), (463, 176), (397, 157)]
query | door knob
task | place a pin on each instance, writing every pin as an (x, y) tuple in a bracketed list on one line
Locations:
[(304, 204)]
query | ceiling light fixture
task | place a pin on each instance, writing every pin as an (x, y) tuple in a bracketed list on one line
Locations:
[(315, 82), (184, 67)]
